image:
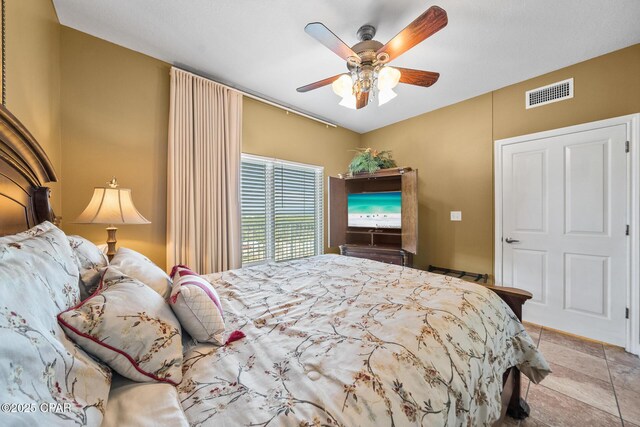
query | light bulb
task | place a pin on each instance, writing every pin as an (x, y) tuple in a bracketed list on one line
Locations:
[(385, 96), (343, 86), (388, 78), (349, 101)]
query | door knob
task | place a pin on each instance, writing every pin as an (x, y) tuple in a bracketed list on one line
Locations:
[(509, 240)]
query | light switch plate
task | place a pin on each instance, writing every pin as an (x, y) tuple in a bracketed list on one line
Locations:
[(456, 215)]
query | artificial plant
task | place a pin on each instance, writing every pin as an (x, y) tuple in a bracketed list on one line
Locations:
[(369, 160)]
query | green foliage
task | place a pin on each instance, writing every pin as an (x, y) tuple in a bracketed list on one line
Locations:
[(368, 160)]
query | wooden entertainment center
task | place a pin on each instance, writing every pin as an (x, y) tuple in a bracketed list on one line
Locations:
[(390, 245)]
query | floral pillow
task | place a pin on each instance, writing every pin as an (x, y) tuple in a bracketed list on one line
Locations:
[(39, 365), (90, 259), (138, 266), (197, 305), (130, 327)]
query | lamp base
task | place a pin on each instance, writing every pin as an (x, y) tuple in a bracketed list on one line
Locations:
[(111, 241)]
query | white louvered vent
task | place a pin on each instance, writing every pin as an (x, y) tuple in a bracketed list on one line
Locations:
[(551, 93)]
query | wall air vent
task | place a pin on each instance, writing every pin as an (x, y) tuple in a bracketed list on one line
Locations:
[(551, 93)]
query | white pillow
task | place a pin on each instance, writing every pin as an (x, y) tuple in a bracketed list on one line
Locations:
[(38, 363), (197, 305), (131, 404), (138, 266), (129, 327), (90, 260)]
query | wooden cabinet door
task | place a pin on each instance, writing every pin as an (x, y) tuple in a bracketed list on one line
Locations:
[(410, 211), (337, 211)]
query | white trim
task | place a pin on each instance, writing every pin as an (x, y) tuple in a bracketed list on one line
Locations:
[(497, 212), (632, 122), (633, 339)]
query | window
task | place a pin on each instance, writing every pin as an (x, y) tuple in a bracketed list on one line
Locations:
[(281, 204)]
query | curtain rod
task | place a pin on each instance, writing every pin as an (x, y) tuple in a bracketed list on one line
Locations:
[(263, 100)]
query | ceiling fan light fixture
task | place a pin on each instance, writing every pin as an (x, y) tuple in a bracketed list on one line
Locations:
[(385, 96), (349, 101), (388, 78), (370, 76), (343, 86)]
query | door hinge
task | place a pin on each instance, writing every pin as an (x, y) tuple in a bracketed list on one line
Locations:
[(626, 147), (627, 232), (626, 313)]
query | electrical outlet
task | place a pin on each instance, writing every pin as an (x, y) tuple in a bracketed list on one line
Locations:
[(456, 215)]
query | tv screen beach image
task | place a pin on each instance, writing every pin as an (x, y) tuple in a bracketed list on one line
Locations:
[(375, 210)]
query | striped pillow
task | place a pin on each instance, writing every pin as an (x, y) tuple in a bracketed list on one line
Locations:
[(197, 305)]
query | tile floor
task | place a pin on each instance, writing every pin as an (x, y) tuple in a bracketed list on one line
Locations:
[(592, 384)]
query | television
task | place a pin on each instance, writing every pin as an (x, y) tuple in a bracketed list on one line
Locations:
[(375, 210)]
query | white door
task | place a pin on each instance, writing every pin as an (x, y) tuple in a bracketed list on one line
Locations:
[(564, 223)]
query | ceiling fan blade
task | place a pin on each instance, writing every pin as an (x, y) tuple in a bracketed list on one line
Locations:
[(423, 26), (318, 84), (325, 36), (417, 77), (362, 99)]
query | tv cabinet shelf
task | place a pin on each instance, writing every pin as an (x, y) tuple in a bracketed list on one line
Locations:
[(374, 237), (383, 233)]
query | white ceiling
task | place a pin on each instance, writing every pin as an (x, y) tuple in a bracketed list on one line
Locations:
[(261, 46)]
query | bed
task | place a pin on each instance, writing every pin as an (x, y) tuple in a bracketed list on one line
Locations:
[(330, 340)]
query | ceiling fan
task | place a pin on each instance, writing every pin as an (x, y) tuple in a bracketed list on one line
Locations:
[(369, 75)]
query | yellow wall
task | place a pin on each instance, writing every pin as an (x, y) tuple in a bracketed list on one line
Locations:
[(33, 76), (270, 132), (606, 86), (453, 150), (115, 118), (115, 110)]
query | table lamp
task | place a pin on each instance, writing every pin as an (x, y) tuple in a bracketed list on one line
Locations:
[(111, 205)]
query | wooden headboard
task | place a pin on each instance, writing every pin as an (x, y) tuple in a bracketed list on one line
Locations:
[(24, 168)]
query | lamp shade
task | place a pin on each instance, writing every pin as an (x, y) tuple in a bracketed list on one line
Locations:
[(388, 78), (111, 206), (343, 86), (385, 96), (349, 101)]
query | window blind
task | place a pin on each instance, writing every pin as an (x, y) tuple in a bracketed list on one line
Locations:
[(282, 212), (253, 200)]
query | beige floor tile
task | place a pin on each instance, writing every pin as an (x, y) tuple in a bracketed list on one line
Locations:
[(618, 355), (629, 402), (508, 422), (628, 424), (589, 347), (555, 409), (582, 387), (576, 360), (625, 376), (532, 422)]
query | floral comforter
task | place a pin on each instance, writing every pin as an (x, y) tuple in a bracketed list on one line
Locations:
[(339, 341)]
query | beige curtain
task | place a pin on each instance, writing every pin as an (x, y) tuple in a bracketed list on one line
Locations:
[(203, 188)]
